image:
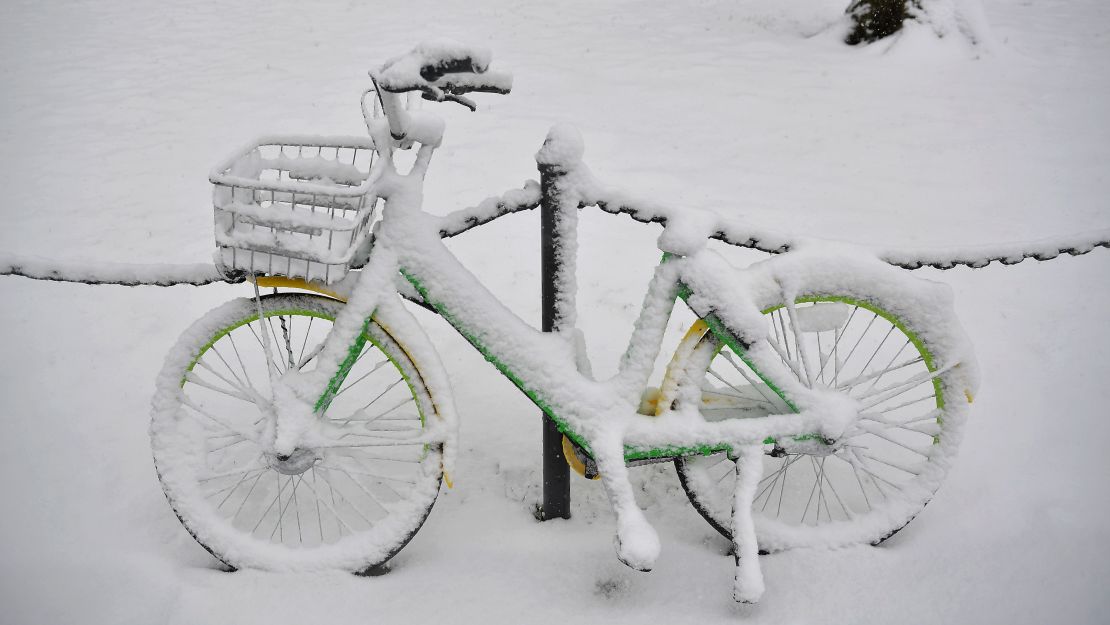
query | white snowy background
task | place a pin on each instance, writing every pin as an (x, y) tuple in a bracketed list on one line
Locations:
[(112, 113)]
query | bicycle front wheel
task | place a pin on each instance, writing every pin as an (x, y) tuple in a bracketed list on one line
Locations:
[(350, 506), (868, 485)]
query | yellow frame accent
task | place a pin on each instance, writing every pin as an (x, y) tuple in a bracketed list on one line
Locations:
[(572, 459), (698, 330)]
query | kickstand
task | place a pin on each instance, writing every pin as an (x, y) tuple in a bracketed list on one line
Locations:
[(748, 584)]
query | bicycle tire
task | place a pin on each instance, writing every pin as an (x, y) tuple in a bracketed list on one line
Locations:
[(217, 478)]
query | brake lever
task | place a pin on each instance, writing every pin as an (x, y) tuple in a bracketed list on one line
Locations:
[(435, 94), (463, 100)]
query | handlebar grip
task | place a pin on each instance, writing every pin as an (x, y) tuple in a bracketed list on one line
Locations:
[(428, 63), (436, 70), (489, 82)]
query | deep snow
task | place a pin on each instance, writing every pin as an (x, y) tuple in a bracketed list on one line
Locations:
[(113, 114)]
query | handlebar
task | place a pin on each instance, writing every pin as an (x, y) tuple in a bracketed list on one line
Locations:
[(442, 70)]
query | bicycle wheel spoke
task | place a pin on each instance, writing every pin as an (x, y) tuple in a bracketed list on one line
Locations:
[(887, 368), (296, 504), (838, 334), (809, 501), (300, 357), (279, 526), (733, 396), (820, 360), (769, 490), (391, 425), (876, 352), (931, 395), (378, 416), (344, 497), (262, 344), (781, 472), (238, 381), (231, 488), (361, 444), (376, 366), (373, 475), (339, 522), (928, 417), (844, 363), (789, 363), (195, 378), (270, 323), (372, 402), (229, 445), (246, 394), (201, 411), (747, 378), (306, 359), (246, 475), (349, 454), (880, 396), (799, 343), (818, 469), (787, 460), (879, 432), (740, 393), (319, 517), (229, 474), (906, 468), (247, 497), (874, 375), (855, 472), (785, 337), (366, 492), (872, 477), (724, 475), (265, 512), (239, 357), (371, 472), (409, 435), (847, 511)]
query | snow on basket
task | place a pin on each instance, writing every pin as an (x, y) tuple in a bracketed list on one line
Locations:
[(296, 206)]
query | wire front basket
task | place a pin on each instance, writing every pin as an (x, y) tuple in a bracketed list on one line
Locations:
[(300, 207)]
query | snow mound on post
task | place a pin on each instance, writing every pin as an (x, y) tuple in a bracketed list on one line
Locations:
[(562, 146)]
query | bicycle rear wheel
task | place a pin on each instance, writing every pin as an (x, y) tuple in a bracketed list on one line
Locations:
[(872, 482), (350, 506)]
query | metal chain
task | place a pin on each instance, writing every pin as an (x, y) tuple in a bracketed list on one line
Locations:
[(285, 334), (470, 218), (1012, 257)]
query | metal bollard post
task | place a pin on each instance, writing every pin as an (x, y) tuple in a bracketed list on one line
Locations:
[(556, 473)]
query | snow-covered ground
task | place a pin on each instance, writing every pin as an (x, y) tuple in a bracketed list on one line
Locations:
[(112, 114)]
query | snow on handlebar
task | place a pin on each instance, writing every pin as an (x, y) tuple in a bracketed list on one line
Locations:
[(442, 70)]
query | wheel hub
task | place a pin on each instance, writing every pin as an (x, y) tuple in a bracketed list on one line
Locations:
[(296, 463)]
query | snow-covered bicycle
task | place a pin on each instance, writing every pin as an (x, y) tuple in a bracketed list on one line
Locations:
[(817, 401)]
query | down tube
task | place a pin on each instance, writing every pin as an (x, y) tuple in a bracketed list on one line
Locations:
[(478, 292)]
